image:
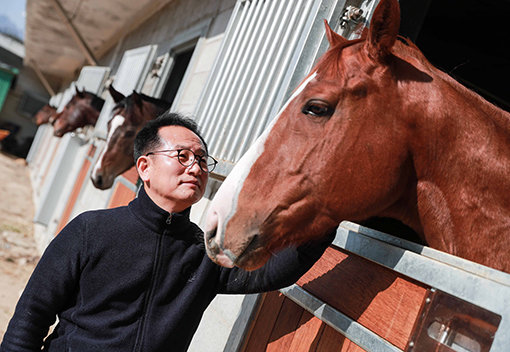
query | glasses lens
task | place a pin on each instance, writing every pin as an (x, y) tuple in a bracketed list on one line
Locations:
[(186, 157), (211, 163)]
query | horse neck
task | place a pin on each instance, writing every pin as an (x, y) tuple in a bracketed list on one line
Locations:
[(462, 159)]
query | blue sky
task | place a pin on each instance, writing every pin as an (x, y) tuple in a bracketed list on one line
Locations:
[(15, 11)]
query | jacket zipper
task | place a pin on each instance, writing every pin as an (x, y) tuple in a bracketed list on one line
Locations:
[(152, 285)]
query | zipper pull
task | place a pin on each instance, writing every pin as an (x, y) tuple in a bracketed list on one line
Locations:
[(169, 219)]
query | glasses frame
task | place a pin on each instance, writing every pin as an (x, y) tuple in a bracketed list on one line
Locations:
[(205, 158)]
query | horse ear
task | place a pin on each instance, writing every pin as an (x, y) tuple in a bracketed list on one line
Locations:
[(78, 93), (384, 28), (333, 37), (116, 95)]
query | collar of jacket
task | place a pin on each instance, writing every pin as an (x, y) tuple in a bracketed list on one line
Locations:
[(154, 217)]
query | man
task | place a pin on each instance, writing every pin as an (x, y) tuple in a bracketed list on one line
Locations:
[(137, 278)]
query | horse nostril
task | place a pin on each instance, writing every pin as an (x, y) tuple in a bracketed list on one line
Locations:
[(212, 246), (209, 235), (98, 180)]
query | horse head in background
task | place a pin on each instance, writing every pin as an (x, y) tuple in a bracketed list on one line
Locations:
[(374, 130), (83, 109), (46, 114), (130, 114)]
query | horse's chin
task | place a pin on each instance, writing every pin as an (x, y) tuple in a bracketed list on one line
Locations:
[(102, 183), (253, 260), (249, 258)]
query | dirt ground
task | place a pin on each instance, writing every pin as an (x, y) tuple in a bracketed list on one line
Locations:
[(18, 253)]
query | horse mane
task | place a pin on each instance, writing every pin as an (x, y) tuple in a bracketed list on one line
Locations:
[(128, 102), (331, 58), (406, 50), (96, 102), (158, 102)]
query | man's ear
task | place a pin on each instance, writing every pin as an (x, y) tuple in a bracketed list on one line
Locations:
[(142, 166)]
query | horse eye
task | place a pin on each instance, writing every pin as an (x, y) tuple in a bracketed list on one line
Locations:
[(317, 108)]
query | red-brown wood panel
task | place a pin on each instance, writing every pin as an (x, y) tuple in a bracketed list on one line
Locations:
[(379, 299), (131, 175), (48, 166), (307, 333), (282, 325), (121, 195), (74, 195), (265, 320), (285, 327), (331, 340)]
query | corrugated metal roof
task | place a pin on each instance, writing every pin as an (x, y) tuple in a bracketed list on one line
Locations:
[(100, 23)]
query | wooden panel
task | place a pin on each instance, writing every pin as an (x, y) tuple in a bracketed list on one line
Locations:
[(48, 166), (331, 340), (74, 195), (121, 195), (282, 325), (307, 335), (379, 299), (131, 175), (41, 148), (92, 151), (264, 322), (285, 327)]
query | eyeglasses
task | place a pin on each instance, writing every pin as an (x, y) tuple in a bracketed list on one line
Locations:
[(187, 158)]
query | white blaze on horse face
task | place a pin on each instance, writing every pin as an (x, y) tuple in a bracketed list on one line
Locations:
[(117, 121), (224, 204)]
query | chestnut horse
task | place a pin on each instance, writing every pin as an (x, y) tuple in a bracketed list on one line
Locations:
[(130, 114), (46, 114), (83, 109), (374, 130)]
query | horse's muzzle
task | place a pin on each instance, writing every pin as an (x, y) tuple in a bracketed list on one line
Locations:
[(217, 254)]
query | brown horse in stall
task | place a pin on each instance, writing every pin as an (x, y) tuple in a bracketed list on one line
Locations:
[(82, 110), (374, 130), (130, 114), (45, 115)]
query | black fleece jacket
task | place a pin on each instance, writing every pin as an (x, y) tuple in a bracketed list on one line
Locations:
[(133, 278)]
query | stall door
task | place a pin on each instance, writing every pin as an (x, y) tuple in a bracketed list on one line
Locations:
[(130, 75), (70, 159)]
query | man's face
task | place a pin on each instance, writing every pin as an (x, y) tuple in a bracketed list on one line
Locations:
[(169, 181)]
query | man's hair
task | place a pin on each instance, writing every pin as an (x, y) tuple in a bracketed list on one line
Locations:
[(148, 138)]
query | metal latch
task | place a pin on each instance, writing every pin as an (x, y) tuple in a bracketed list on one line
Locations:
[(450, 324), (157, 65), (351, 14)]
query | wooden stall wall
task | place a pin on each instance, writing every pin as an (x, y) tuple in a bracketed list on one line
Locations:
[(385, 302)]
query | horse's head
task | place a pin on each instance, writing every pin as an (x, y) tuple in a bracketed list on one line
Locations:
[(44, 115), (335, 152), (129, 115), (83, 109)]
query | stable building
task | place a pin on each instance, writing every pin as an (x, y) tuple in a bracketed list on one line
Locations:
[(231, 65)]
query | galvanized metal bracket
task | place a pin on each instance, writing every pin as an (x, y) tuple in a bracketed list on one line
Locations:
[(450, 324), (351, 14)]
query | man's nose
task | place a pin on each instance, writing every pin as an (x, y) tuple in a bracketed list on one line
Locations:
[(195, 167)]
